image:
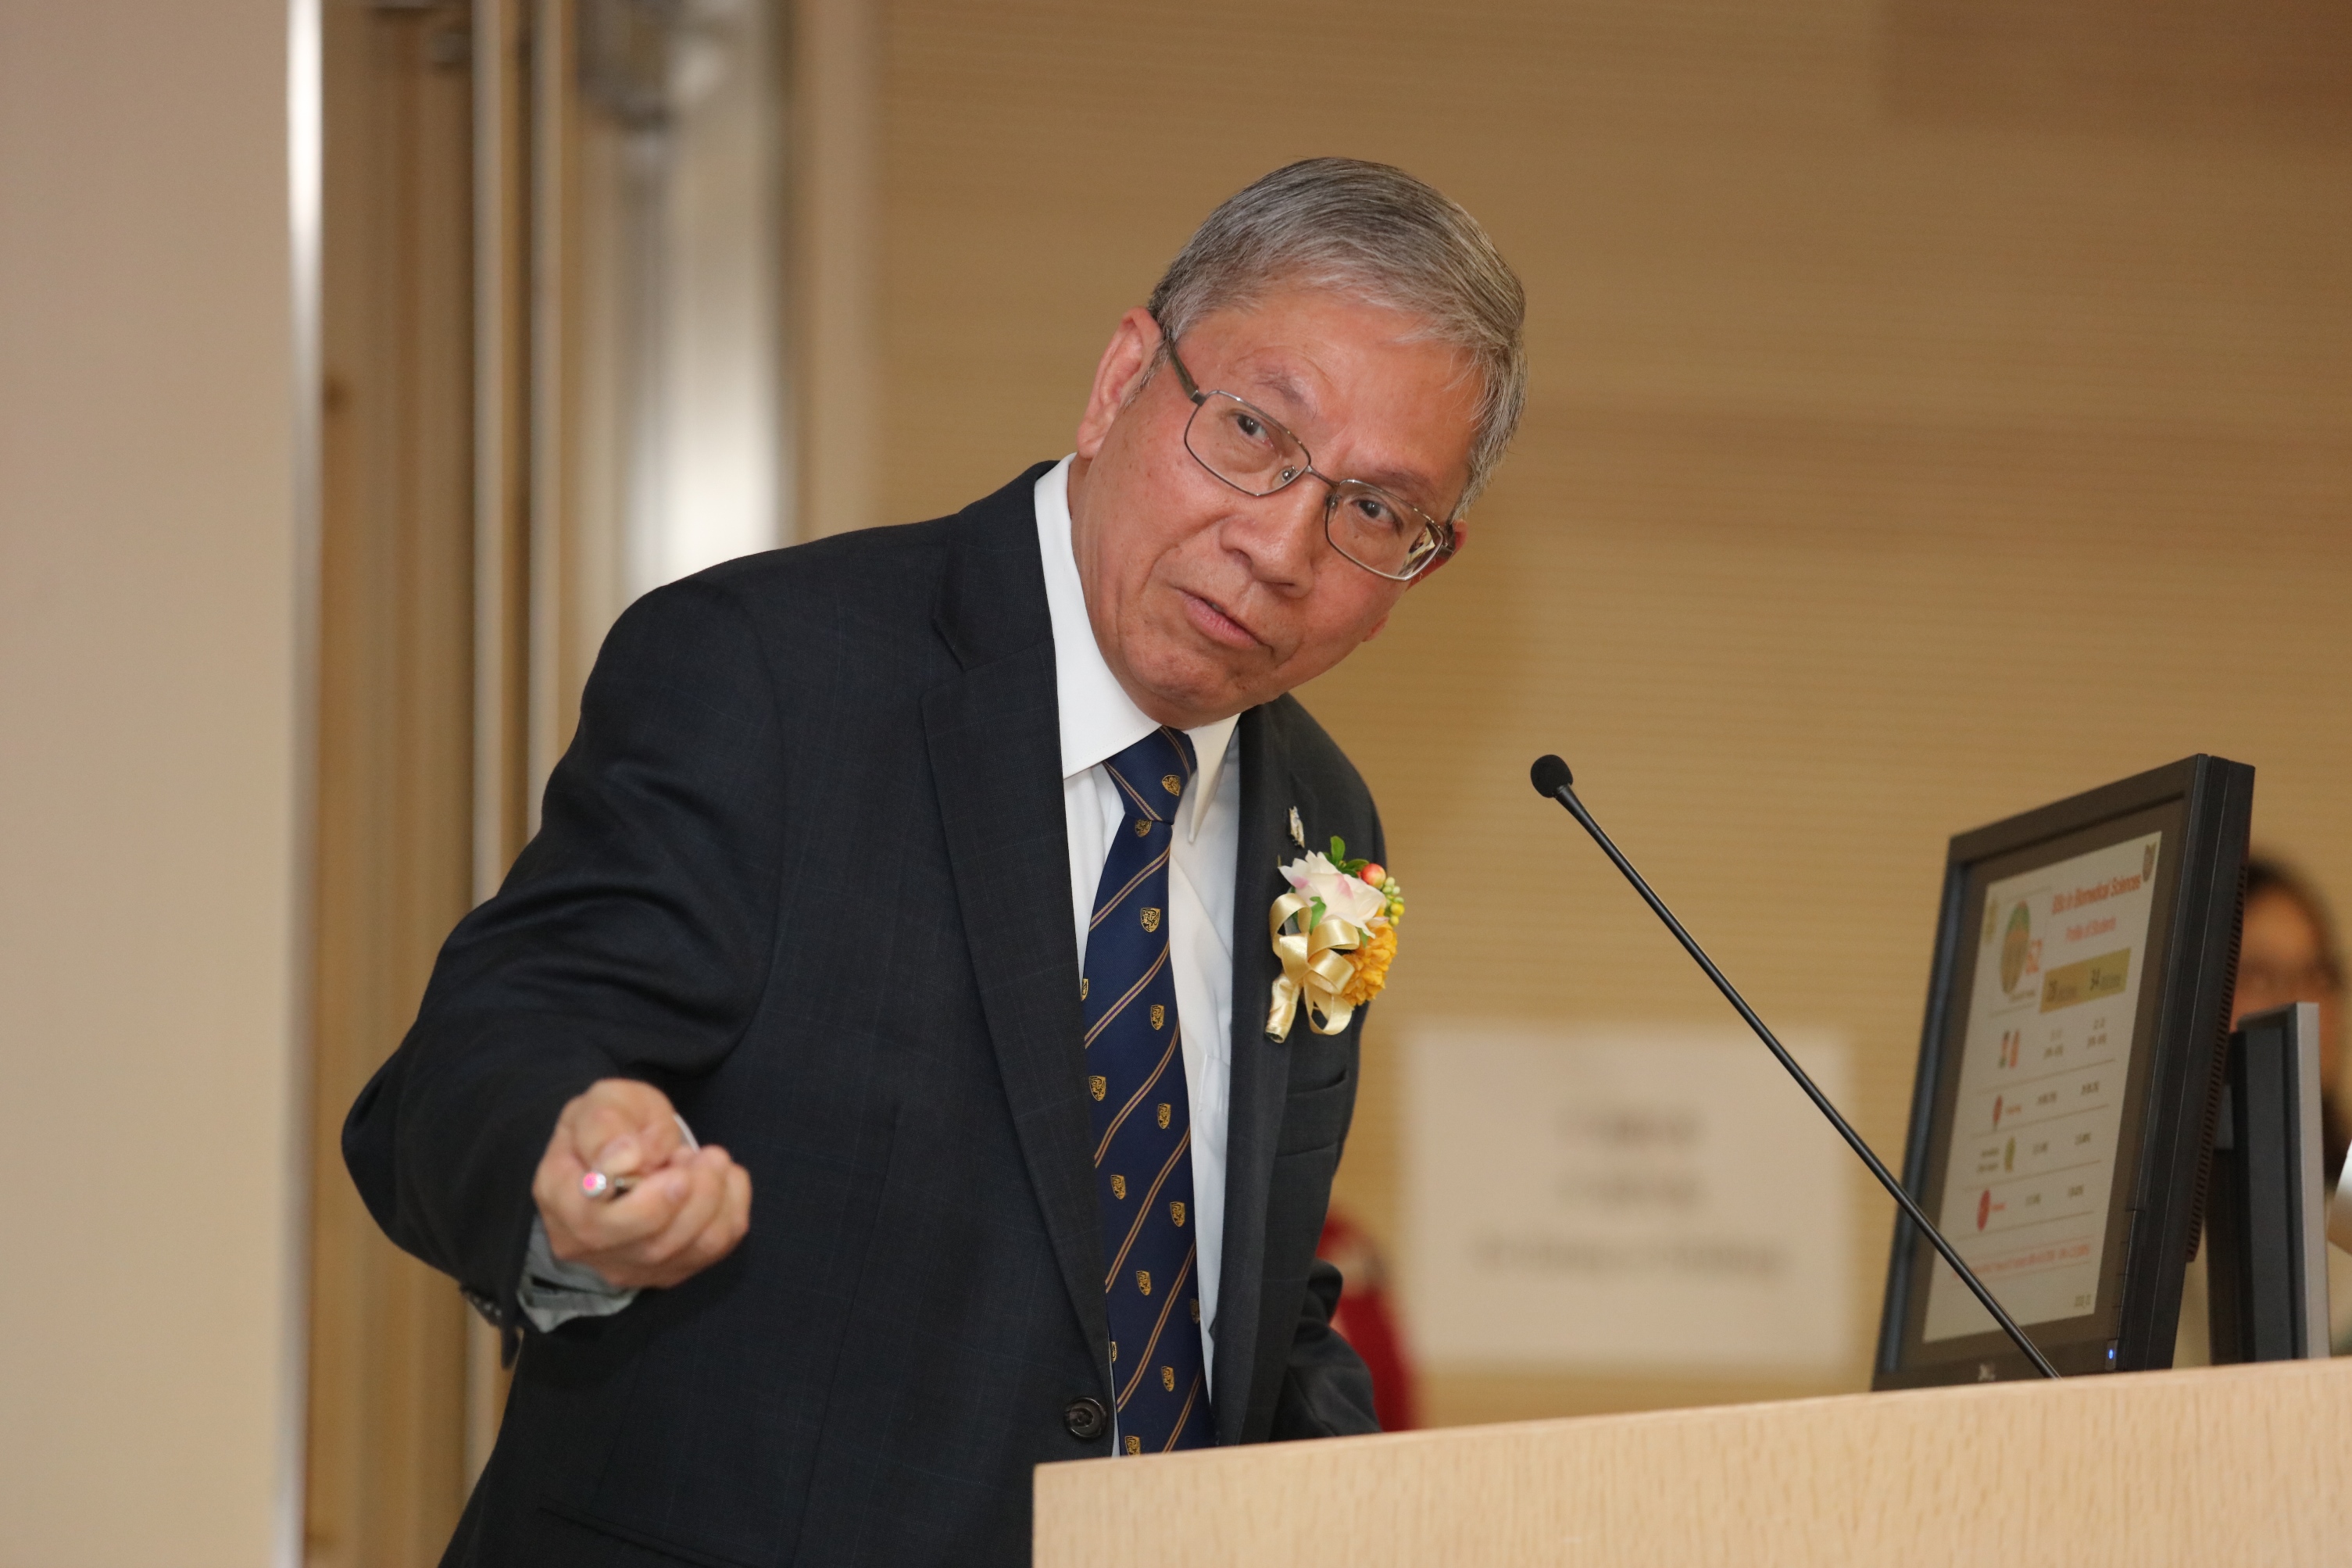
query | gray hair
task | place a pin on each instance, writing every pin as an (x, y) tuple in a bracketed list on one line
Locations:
[(1383, 235)]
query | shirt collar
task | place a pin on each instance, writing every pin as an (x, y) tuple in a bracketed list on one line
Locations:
[(1099, 719)]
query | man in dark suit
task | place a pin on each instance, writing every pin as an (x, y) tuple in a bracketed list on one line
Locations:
[(924, 874)]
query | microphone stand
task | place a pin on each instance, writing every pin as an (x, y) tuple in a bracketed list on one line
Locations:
[(1552, 778)]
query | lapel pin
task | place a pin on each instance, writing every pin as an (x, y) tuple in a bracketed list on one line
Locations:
[(1297, 828)]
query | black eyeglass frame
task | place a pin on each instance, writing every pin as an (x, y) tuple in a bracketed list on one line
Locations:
[(1442, 533)]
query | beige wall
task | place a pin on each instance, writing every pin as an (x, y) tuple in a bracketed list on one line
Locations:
[(149, 657), (1934, 411)]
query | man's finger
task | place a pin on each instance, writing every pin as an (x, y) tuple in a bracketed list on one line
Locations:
[(659, 1138), (680, 1250), (716, 1239), (627, 1239), (632, 1221), (706, 1191), (603, 1132), (622, 1127), (595, 1229)]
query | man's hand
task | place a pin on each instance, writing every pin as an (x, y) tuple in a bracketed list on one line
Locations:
[(688, 1208)]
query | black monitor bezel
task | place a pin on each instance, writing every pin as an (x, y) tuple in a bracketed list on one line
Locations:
[(2166, 1132)]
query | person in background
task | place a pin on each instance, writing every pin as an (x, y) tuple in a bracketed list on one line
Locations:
[(2288, 953), (1366, 1318)]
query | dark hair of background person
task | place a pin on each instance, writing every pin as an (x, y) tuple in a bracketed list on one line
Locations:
[(2268, 873)]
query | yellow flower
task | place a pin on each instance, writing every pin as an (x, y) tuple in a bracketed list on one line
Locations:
[(1370, 963)]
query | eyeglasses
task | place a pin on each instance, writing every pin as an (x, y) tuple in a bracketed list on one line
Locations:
[(1255, 452)]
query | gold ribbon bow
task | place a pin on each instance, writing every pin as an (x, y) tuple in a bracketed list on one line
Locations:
[(1315, 968)]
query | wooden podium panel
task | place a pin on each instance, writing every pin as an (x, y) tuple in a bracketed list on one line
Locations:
[(2225, 1465)]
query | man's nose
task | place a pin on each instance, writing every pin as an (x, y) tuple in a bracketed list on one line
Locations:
[(1284, 536)]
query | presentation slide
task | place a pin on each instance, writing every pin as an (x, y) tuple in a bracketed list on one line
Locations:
[(2048, 1046)]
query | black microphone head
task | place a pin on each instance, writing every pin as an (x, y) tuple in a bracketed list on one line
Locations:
[(1551, 776)]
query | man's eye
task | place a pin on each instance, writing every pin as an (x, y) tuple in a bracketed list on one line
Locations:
[(1250, 427), (1377, 513)]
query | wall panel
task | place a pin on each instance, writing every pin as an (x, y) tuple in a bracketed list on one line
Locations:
[(387, 1422), (154, 779)]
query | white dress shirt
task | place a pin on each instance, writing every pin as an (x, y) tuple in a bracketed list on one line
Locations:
[(1100, 720)]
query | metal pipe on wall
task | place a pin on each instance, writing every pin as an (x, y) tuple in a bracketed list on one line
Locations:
[(690, 91), (550, 74), (494, 38)]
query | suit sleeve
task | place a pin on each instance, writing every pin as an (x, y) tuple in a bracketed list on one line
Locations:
[(631, 938), (1326, 1390)]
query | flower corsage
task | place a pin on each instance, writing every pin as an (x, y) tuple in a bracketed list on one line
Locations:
[(1335, 933)]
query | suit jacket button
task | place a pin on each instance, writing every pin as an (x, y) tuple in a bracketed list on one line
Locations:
[(1086, 1418)]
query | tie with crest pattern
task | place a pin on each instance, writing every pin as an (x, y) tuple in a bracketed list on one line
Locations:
[(1142, 1122)]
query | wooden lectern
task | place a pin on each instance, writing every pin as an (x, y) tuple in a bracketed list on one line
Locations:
[(2220, 1465)]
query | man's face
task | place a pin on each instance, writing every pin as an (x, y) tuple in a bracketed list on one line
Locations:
[(1205, 600)]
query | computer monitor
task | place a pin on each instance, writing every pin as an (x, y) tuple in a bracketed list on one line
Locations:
[(2265, 1225), (2078, 1013)]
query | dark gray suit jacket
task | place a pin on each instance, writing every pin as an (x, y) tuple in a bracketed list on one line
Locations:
[(804, 868)]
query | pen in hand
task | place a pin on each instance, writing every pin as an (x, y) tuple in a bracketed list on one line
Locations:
[(625, 1189), (596, 1183)]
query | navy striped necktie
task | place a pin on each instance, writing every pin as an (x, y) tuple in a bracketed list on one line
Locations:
[(1142, 1119)]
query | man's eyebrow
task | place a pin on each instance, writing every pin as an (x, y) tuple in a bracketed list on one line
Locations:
[(1404, 485), (1287, 389), (1398, 480)]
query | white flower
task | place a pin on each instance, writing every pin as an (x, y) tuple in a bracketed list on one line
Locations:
[(1344, 897)]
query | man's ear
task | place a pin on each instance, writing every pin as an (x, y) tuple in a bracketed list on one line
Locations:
[(1126, 364)]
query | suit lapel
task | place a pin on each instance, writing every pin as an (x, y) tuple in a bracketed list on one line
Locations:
[(995, 740), (1261, 1067)]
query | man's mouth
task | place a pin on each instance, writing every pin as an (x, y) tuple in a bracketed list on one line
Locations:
[(1215, 623)]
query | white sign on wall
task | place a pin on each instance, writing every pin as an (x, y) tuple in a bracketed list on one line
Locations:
[(1639, 1197)]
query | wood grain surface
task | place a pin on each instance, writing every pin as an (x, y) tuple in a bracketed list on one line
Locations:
[(2221, 1466)]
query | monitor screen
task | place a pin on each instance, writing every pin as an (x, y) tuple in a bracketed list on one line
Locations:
[(2029, 1180), (2066, 1075)]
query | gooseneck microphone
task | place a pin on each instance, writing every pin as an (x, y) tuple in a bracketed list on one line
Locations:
[(1552, 778)]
